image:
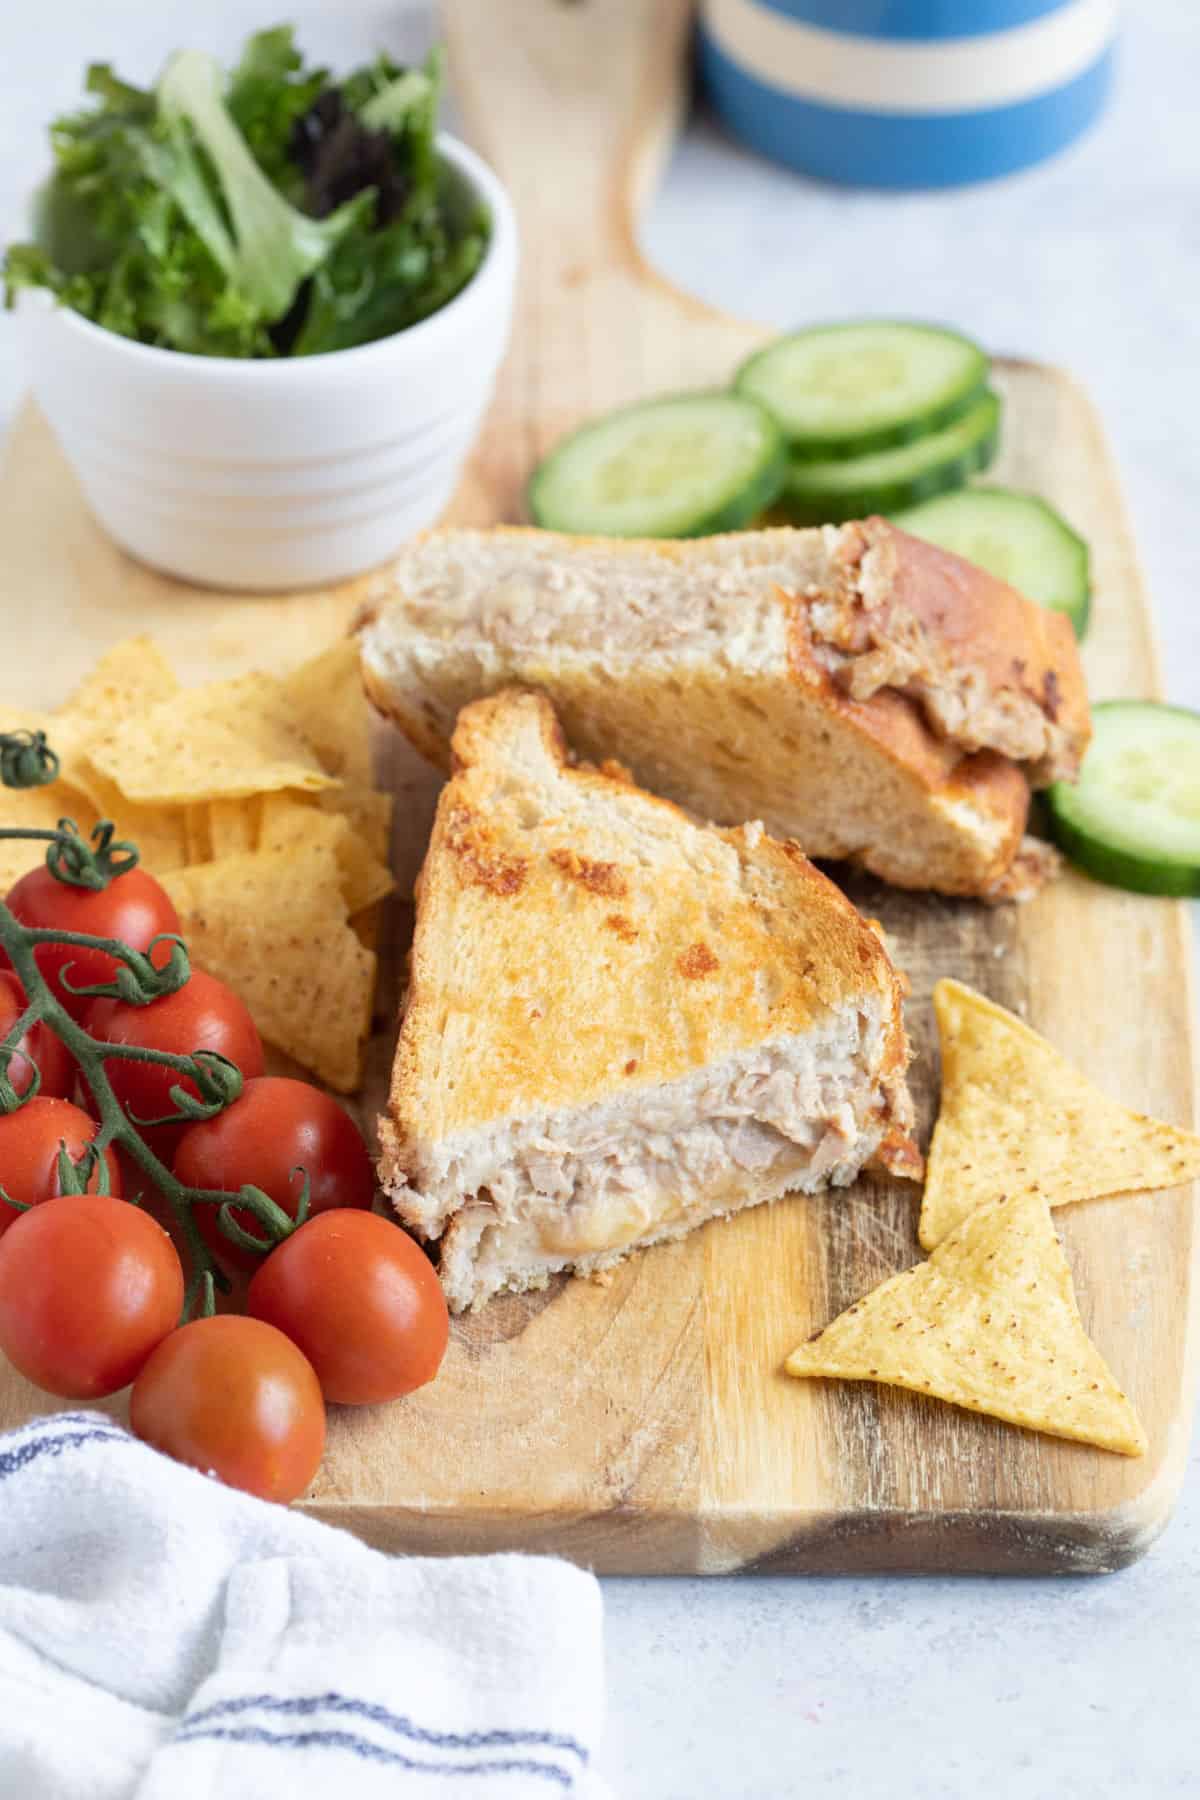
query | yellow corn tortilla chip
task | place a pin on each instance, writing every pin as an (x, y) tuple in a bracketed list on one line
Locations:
[(365, 880), (83, 794), (133, 676), (225, 740), (233, 826), (369, 813), (989, 1323), (197, 834), (326, 701), (365, 926), (36, 809), (159, 832), (288, 820), (1016, 1118), (273, 925)]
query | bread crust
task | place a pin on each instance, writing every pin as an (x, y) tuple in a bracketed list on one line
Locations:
[(932, 815), (978, 623)]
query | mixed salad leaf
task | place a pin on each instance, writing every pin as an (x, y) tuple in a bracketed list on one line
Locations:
[(268, 211)]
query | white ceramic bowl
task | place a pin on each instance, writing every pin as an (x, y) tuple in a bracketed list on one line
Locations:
[(268, 475)]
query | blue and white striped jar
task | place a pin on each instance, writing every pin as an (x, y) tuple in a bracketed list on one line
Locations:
[(908, 93)]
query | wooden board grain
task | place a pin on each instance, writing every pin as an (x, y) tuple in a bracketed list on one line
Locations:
[(645, 1426)]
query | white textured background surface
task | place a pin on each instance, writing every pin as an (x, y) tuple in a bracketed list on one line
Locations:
[(920, 1688)]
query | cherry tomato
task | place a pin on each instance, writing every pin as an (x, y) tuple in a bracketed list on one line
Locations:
[(236, 1399), (29, 1145), (204, 1014), (273, 1129), (133, 907), (88, 1287), (55, 1064), (362, 1301)]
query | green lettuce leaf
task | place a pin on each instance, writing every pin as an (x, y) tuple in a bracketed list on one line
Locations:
[(269, 212)]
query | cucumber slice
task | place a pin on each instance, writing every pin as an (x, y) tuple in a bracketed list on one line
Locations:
[(1133, 817), (1015, 536), (681, 466), (845, 390), (824, 493)]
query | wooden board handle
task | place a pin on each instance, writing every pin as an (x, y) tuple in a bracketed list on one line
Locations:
[(575, 103)]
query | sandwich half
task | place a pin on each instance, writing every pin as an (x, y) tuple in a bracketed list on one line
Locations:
[(869, 695), (621, 1022)]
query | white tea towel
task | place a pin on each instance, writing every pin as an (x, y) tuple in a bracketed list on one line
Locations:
[(164, 1638)]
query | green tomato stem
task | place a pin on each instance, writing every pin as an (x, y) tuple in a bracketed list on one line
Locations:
[(216, 1080), (115, 1128)]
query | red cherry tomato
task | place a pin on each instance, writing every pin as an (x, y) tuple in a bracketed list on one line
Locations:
[(273, 1129), (55, 1064), (88, 1287), (29, 1146), (362, 1301), (133, 907), (204, 1014), (236, 1399)]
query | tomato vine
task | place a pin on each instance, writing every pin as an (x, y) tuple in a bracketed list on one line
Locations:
[(140, 977)]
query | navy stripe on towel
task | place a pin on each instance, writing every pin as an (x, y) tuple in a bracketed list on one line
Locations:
[(366, 1751), (13, 1461), (304, 1706)]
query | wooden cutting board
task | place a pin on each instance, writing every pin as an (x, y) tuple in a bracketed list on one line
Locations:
[(645, 1426)]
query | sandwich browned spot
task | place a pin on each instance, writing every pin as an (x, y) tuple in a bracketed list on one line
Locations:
[(624, 928), (480, 861), (697, 961), (598, 877)]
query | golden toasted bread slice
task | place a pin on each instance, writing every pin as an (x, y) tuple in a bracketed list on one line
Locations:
[(620, 1022), (873, 697)]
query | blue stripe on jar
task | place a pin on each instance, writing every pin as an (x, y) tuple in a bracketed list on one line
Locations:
[(920, 19), (898, 150)]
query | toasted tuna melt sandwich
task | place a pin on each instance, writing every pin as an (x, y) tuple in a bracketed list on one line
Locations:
[(621, 1022), (874, 697)]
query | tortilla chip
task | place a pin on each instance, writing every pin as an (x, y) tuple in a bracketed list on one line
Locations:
[(197, 834), (79, 794), (325, 699), (225, 740), (273, 925), (132, 677), (365, 926), (288, 820), (369, 813), (1016, 1118), (159, 832), (36, 809), (233, 826), (989, 1323), (365, 880)]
